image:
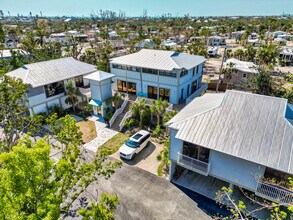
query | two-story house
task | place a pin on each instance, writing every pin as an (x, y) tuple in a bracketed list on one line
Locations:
[(233, 139), (155, 74), (47, 81)]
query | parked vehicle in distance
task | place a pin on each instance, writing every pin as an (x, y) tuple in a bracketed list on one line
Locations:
[(134, 144)]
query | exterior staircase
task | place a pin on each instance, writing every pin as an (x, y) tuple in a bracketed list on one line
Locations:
[(119, 118)]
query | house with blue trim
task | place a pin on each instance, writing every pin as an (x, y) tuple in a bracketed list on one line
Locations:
[(168, 75)]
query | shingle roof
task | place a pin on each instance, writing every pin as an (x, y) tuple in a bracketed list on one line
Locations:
[(159, 59), (248, 126), (43, 73)]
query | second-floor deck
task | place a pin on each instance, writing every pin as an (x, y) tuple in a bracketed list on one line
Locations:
[(193, 164)]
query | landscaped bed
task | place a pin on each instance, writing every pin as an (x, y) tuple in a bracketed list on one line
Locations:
[(88, 130), (113, 145)]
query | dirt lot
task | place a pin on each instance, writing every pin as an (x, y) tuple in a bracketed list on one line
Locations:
[(88, 130)]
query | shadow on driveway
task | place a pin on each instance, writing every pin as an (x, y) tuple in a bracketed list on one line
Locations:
[(142, 155)]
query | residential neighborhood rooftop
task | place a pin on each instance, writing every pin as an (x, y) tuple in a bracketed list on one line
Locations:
[(242, 66), (159, 59), (99, 76), (248, 126), (43, 73)]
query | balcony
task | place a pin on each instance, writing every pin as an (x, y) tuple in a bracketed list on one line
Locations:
[(193, 164), (274, 193), (84, 89)]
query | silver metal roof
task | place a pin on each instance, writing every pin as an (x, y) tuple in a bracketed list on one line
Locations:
[(43, 73), (159, 59), (99, 76), (248, 126)]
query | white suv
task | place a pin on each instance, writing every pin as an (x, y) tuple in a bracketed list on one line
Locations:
[(134, 144)]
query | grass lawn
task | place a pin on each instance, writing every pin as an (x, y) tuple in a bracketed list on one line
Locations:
[(88, 130), (112, 145)]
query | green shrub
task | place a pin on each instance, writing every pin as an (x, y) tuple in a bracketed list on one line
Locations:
[(59, 110)]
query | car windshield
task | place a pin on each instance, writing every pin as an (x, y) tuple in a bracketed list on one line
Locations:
[(132, 144)]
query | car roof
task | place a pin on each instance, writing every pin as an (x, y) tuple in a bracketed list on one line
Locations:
[(143, 133)]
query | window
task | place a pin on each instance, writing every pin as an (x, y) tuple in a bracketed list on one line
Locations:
[(188, 87), (194, 86), (78, 81), (183, 72), (196, 152), (193, 71), (197, 68), (182, 94), (244, 75), (152, 92), (54, 89), (130, 88), (164, 94)]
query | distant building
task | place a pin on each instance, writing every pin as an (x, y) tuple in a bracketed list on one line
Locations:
[(242, 71), (216, 41), (169, 44), (7, 54), (287, 55), (237, 35)]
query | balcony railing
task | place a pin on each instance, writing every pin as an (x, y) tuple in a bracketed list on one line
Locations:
[(84, 90), (193, 164), (274, 193), (198, 92)]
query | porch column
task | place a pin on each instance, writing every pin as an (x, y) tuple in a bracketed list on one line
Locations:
[(172, 169), (231, 186)]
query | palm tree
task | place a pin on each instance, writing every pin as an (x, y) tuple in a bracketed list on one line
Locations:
[(138, 109), (159, 108), (228, 73), (116, 99), (41, 33), (73, 93)]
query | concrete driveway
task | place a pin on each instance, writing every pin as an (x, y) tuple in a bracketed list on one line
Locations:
[(143, 195), (146, 159)]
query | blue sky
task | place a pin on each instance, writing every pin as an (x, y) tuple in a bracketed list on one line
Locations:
[(154, 7)]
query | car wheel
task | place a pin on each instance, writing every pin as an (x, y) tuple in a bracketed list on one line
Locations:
[(133, 156)]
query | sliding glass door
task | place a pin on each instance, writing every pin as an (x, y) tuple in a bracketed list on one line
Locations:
[(124, 87), (164, 94)]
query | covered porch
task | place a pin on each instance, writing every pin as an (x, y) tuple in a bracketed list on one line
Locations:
[(208, 186)]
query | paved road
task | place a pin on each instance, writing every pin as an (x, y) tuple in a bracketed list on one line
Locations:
[(146, 196)]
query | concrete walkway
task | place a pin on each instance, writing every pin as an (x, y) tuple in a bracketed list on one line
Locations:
[(103, 134)]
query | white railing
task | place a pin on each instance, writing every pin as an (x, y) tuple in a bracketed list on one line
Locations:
[(126, 116), (84, 90), (193, 164), (119, 111), (274, 193), (197, 93), (149, 102)]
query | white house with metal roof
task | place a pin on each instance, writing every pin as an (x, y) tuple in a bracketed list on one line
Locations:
[(101, 90), (233, 139), (155, 74), (47, 81)]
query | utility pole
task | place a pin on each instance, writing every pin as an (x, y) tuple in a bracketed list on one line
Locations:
[(221, 69)]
